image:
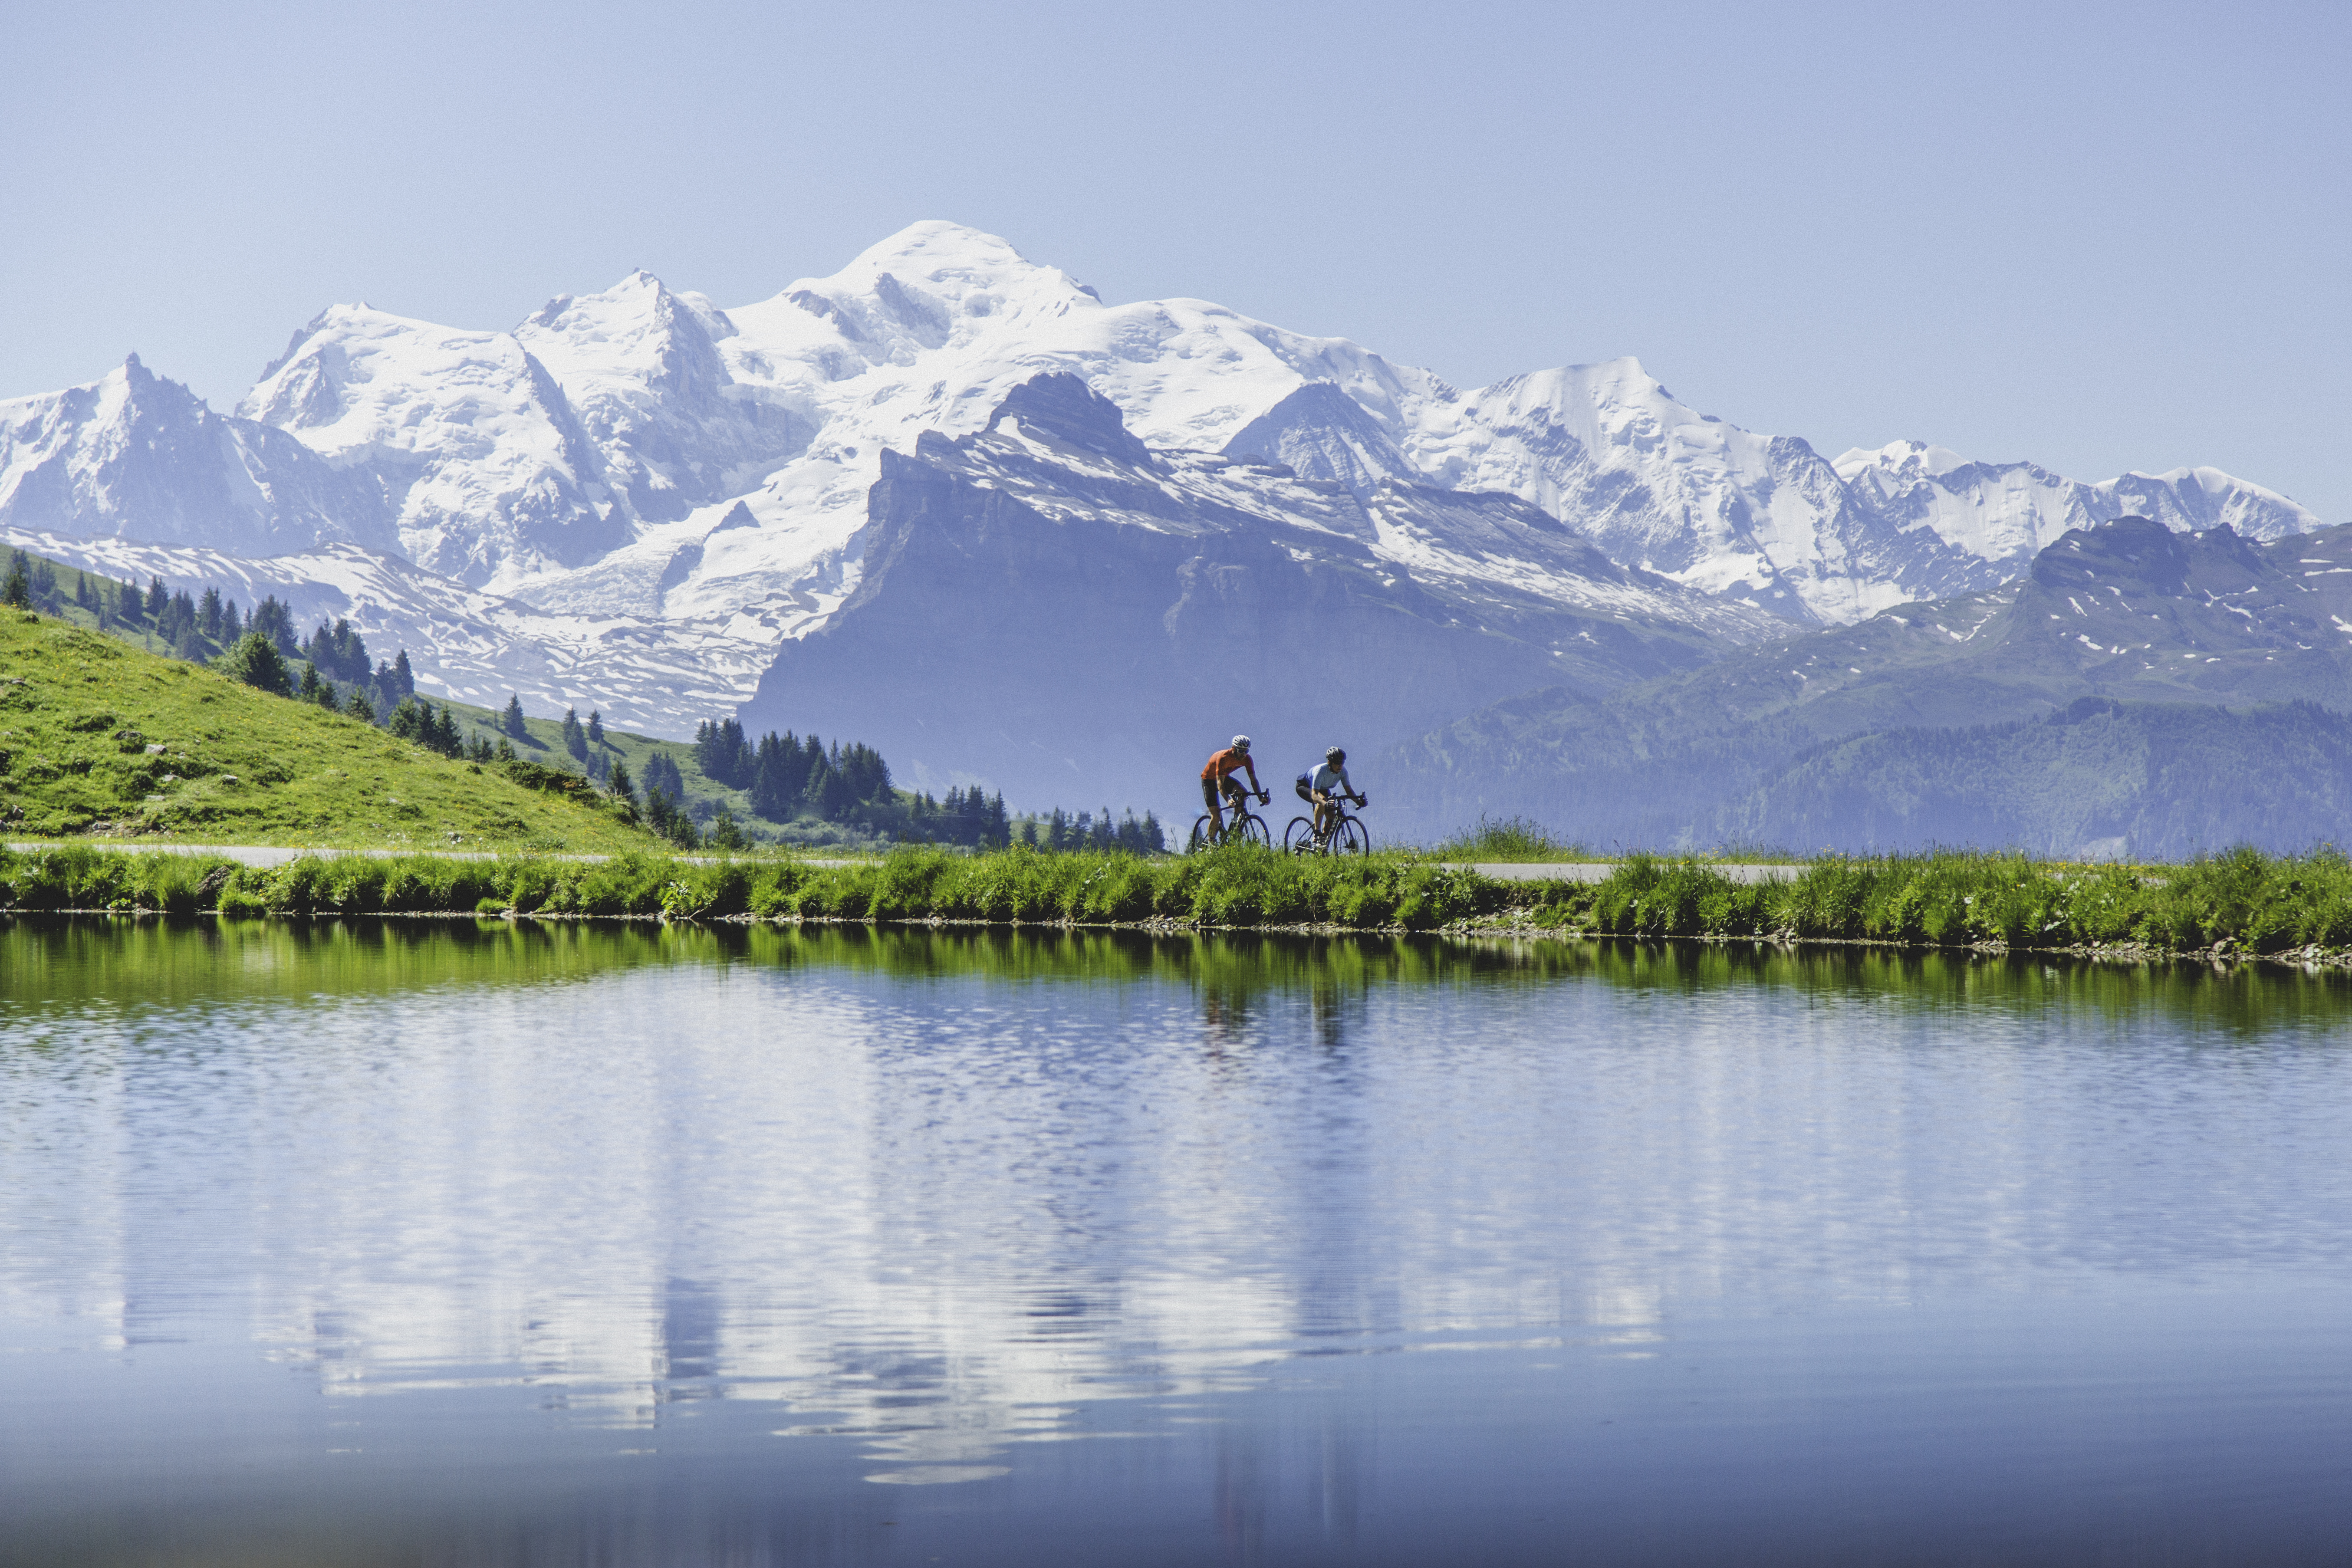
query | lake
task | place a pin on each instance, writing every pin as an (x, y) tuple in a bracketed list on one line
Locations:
[(451, 1243)]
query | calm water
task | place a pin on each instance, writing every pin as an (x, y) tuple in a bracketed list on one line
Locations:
[(436, 1245)]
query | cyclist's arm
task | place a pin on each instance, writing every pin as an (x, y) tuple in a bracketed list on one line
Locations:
[(1254, 785)]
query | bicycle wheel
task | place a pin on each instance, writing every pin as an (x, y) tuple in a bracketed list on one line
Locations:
[(1299, 838), (1352, 838), (1254, 831), (1199, 840)]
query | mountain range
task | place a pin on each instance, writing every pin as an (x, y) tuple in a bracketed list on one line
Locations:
[(639, 502), (2210, 669)]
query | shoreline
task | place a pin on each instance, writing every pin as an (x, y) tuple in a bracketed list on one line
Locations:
[(2295, 911)]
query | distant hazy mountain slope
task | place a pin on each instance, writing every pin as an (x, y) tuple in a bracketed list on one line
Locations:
[(134, 455), (2099, 777), (2127, 610), (1049, 606)]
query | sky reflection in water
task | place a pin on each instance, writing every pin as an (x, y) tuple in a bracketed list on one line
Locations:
[(394, 1242)]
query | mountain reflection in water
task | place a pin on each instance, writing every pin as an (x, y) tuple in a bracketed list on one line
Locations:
[(391, 1238)]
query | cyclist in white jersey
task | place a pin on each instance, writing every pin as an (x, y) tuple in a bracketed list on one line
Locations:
[(1326, 783)]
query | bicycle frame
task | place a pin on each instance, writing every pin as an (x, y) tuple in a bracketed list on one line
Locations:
[(1237, 816), (1322, 843)]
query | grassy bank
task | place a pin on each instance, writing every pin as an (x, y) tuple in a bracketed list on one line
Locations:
[(2244, 900), (1235, 888)]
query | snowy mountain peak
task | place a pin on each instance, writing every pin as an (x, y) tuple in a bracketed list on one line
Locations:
[(929, 287), (1917, 459), (472, 439), (636, 330), (1064, 409), (1318, 432), (136, 456)]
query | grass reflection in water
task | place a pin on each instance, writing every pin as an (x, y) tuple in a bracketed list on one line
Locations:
[(78, 958)]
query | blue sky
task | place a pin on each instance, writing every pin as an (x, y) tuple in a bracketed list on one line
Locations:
[(2103, 238)]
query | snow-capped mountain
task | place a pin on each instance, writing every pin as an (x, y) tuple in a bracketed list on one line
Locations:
[(642, 369), (643, 454), (136, 456), (2003, 513), (1051, 603), (627, 414), (472, 444)]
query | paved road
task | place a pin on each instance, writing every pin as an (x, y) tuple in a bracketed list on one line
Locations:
[(273, 855), (1598, 870), (263, 854)]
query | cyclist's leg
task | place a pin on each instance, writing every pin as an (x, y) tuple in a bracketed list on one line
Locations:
[(1237, 796), (1211, 798)]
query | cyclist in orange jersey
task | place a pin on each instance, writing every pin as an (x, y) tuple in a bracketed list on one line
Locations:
[(1217, 781)]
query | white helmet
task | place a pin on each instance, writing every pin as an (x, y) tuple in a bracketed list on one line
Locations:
[(1241, 742)]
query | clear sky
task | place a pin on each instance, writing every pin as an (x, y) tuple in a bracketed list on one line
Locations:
[(2101, 237)]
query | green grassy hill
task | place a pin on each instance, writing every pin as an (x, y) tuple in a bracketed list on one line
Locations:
[(167, 618), (100, 737)]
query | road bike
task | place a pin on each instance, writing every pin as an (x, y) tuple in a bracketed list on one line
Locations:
[(1345, 836), (1239, 819)]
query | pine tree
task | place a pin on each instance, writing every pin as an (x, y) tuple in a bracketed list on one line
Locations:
[(256, 662), (271, 620), (575, 739), (231, 629), (511, 721), (723, 754), (726, 833), (326, 697), (87, 596), (16, 592), (156, 597), (826, 796), (595, 728), (309, 690), (359, 707), (208, 613)]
